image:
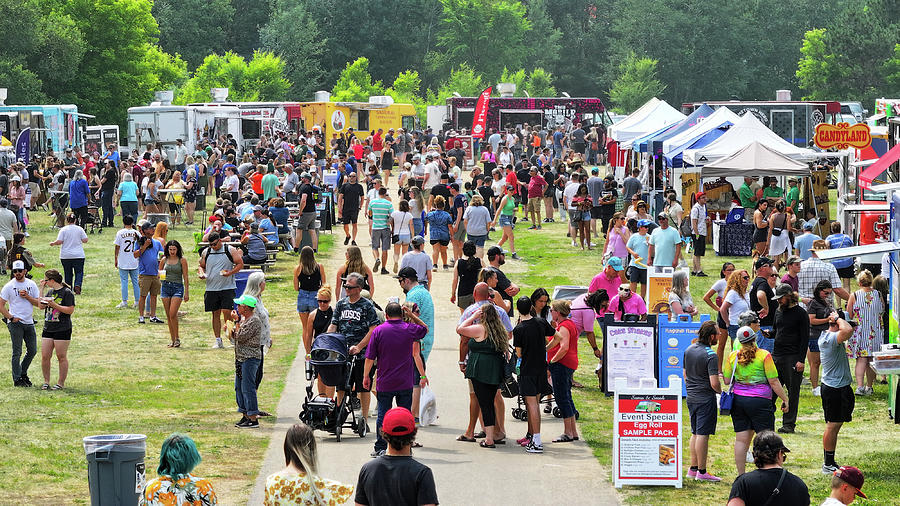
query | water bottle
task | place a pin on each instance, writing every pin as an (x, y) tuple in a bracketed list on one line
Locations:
[(309, 370), (518, 365)]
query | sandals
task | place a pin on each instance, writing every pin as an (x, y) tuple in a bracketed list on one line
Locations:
[(480, 435), (565, 438), (462, 437), (484, 445), (56, 387), (501, 441), (177, 343), (45, 386)]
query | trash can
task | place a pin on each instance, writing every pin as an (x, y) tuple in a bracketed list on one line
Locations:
[(115, 468), (240, 283)]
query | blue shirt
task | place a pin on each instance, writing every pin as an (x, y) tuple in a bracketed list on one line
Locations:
[(557, 139), (638, 244), (474, 307), (148, 263), (835, 366), (280, 216), (269, 229), (78, 193), (114, 156), (439, 221), (129, 191), (420, 296), (837, 241), (803, 242), (664, 242)]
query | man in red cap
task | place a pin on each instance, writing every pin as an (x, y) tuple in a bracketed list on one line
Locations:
[(846, 484), (699, 232), (396, 479)]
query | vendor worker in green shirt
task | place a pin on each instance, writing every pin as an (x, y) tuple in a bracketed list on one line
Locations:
[(746, 194), (793, 195), (772, 190)]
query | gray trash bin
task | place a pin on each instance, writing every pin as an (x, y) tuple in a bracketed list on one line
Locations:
[(115, 468)]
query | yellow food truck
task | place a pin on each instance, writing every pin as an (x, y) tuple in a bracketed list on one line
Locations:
[(338, 117)]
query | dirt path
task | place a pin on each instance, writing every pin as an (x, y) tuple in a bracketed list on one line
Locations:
[(565, 473)]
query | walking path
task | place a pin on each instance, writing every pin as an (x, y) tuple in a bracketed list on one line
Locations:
[(566, 473)]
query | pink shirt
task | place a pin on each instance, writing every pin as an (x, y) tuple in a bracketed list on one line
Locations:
[(601, 281), (583, 316), (634, 305)]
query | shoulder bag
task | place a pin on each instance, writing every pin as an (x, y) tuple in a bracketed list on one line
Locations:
[(777, 489), (726, 399)]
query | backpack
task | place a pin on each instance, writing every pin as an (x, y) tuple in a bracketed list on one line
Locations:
[(685, 228), (205, 252)]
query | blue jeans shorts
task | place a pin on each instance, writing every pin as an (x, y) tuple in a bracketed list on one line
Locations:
[(478, 240), (506, 220), (171, 289), (306, 301)]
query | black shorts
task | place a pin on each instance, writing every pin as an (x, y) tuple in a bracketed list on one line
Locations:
[(222, 299), (838, 403), (703, 416), (720, 322), (752, 413), (699, 242), (59, 335), (356, 376), (349, 216), (848, 272), (596, 213), (636, 275), (534, 386), (443, 242)]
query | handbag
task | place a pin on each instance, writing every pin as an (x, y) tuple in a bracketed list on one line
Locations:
[(726, 399)]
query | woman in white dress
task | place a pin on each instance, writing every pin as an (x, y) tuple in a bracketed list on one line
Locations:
[(779, 239)]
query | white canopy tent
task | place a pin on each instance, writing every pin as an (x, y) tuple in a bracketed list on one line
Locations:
[(755, 159), (650, 117), (718, 118), (745, 131)]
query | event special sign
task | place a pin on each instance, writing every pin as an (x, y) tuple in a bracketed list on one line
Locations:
[(629, 353), (647, 436), (843, 136)]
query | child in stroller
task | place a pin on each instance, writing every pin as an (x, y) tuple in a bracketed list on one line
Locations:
[(331, 362)]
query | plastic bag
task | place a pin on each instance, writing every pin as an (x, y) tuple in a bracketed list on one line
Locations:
[(427, 407)]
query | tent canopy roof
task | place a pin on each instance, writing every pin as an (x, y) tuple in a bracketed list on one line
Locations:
[(745, 131), (721, 116), (650, 117), (755, 159)]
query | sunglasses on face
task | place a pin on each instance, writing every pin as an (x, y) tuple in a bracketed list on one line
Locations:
[(624, 290), (18, 270), (349, 287), (323, 301), (745, 277)]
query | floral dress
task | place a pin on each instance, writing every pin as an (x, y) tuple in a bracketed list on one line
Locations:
[(867, 337), (189, 490), (285, 488)]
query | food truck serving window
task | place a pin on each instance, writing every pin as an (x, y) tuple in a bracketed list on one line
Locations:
[(873, 195)]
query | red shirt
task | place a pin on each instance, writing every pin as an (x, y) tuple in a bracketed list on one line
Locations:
[(358, 151), (570, 359), (512, 180), (256, 179), (377, 142)]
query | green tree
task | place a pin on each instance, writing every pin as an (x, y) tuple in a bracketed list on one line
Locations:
[(293, 35), (892, 70), (242, 35), (23, 86), (463, 80), (636, 84), (581, 69), (355, 83), (485, 34), (544, 40), (406, 90), (518, 78), (540, 84), (816, 66), (193, 28), (260, 79)]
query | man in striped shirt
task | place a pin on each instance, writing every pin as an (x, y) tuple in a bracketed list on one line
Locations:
[(380, 211)]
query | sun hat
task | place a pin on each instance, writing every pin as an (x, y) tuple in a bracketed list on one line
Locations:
[(246, 300)]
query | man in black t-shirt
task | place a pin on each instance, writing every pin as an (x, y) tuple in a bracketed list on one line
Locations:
[(107, 188), (307, 196), (530, 340), (701, 379), (607, 203), (396, 479), (762, 300), (508, 290), (350, 197), (756, 487)]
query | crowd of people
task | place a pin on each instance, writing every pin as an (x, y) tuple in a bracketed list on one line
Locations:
[(765, 329)]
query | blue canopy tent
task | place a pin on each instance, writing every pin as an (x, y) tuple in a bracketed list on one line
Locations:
[(655, 143), (674, 158), (640, 144)]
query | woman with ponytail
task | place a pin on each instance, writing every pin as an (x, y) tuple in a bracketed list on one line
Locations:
[(58, 304), (752, 371), (298, 483)]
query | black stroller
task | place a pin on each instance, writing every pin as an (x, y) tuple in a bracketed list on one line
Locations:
[(330, 361)]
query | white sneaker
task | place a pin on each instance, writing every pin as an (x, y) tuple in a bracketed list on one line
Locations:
[(218, 344), (573, 244), (122, 305), (817, 391), (861, 391)]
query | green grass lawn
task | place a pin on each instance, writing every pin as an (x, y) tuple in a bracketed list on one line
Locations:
[(870, 442), (123, 379)]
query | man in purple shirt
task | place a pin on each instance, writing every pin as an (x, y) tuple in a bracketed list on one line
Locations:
[(391, 344)]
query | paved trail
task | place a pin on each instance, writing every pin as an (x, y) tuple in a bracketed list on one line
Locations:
[(465, 474)]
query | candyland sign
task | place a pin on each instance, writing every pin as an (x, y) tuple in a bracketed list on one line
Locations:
[(843, 136)]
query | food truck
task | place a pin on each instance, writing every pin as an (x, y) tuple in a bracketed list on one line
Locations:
[(510, 112), (53, 127), (338, 117)]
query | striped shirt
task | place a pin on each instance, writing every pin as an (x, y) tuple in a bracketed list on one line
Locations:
[(812, 271), (381, 210)]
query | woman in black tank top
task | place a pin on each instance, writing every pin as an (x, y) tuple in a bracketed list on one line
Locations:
[(761, 234)]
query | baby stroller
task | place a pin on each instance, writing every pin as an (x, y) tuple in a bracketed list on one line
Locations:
[(330, 361)]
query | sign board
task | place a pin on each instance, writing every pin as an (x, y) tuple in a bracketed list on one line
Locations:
[(468, 146), (647, 434), (816, 195), (843, 136), (673, 338), (629, 351), (659, 283)]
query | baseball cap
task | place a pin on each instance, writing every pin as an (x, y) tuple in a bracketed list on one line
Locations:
[(305, 175), (644, 223), (747, 317), (408, 273), (398, 422), (615, 263), (782, 290), (146, 225), (246, 300), (809, 225), (701, 194), (768, 441), (18, 265), (662, 216), (762, 261), (794, 259), (745, 334), (852, 476), (494, 251), (417, 240)]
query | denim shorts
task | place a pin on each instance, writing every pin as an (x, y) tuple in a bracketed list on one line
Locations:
[(506, 220), (171, 289), (478, 239), (306, 301)]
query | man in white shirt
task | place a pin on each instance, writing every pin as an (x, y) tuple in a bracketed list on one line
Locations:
[(21, 294), (432, 174), (699, 221), (568, 194), (180, 155), (126, 243)]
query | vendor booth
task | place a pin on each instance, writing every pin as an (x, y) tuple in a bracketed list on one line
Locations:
[(745, 131)]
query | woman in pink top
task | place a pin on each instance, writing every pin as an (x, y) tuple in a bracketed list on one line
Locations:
[(618, 237), (627, 302)]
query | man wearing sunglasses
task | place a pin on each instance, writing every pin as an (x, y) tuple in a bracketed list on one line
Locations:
[(22, 295), (355, 317), (770, 483)]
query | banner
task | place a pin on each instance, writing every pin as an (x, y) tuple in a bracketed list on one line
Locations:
[(481, 109), (23, 145)]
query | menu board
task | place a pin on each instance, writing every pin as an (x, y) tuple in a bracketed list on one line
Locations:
[(629, 351), (647, 438)]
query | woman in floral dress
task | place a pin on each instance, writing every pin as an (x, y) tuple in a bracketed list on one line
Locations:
[(176, 486), (865, 306), (298, 483)]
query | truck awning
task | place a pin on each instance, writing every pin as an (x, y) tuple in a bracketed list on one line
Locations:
[(866, 208), (868, 176), (855, 251)]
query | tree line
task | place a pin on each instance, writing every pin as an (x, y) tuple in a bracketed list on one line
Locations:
[(108, 55)]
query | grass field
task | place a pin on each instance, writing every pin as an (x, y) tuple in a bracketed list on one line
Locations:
[(123, 379), (870, 442)]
